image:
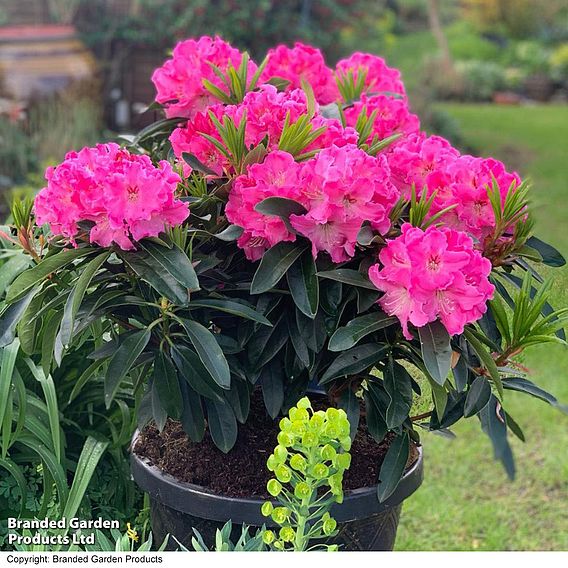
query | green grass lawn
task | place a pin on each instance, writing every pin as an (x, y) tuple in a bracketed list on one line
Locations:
[(467, 502)]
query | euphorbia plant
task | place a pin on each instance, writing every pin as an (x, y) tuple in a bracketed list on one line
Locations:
[(286, 227)]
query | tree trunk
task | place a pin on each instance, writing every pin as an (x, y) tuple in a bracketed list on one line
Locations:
[(438, 33)]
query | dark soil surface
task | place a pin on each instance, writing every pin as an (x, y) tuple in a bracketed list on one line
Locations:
[(242, 472)]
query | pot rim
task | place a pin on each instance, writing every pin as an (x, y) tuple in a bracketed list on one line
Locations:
[(200, 502)]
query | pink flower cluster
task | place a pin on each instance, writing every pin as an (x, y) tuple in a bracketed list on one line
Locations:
[(432, 164), (179, 82), (393, 116), (302, 62), (265, 111), (379, 77), (432, 274), (123, 194), (340, 188)]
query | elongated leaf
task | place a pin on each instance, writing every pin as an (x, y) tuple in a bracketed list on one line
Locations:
[(231, 307), (524, 385), (222, 424), (86, 375), (280, 207), (304, 284), (348, 276), (354, 360), (195, 164), (90, 456), (274, 264), (34, 276), (76, 297), (165, 381), (550, 255), (436, 350), (272, 382), (52, 464), (194, 372), (231, 233), (209, 352), (486, 358), (398, 385), (192, 417), (10, 317), (493, 423), (348, 336), (477, 396), (8, 357), (298, 342), (393, 467), (122, 360), (349, 403)]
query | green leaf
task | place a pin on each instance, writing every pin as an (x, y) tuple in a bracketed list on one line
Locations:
[(348, 336), (32, 277), (231, 233), (16, 472), (76, 297), (231, 307), (393, 467), (436, 350), (486, 359), (281, 207), (304, 284), (8, 357), (165, 381), (168, 271), (348, 276), (209, 352), (349, 403), (493, 423), (192, 418), (477, 397), (272, 382), (524, 385), (195, 164), (398, 385), (194, 372), (274, 264), (90, 456), (222, 424), (354, 360), (550, 255), (11, 316), (122, 360)]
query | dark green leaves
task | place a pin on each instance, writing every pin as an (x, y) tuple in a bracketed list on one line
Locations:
[(477, 396), (493, 423), (524, 385), (304, 284), (30, 278), (486, 358), (550, 255), (194, 372), (436, 350), (11, 315), (222, 424), (274, 264), (209, 352), (280, 207), (393, 467), (168, 270), (354, 361), (165, 381), (348, 336), (348, 276), (121, 362), (398, 385), (231, 307)]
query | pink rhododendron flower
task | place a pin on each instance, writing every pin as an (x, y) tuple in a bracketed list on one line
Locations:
[(433, 274), (179, 81), (124, 194), (393, 116), (277, 176), (265, 112), (302, 62), (380, 78)]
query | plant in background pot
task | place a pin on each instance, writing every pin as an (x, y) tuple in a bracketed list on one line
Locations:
[(286, 229)]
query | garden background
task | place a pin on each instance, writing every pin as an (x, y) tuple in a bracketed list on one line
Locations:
[(490, 75)]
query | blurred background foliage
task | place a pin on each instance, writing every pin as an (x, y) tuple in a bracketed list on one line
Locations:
[(491, 75)]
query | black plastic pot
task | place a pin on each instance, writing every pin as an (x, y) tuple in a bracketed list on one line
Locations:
[(177, 507)]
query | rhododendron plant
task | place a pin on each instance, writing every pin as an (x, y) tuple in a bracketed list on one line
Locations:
[(287, 227)]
